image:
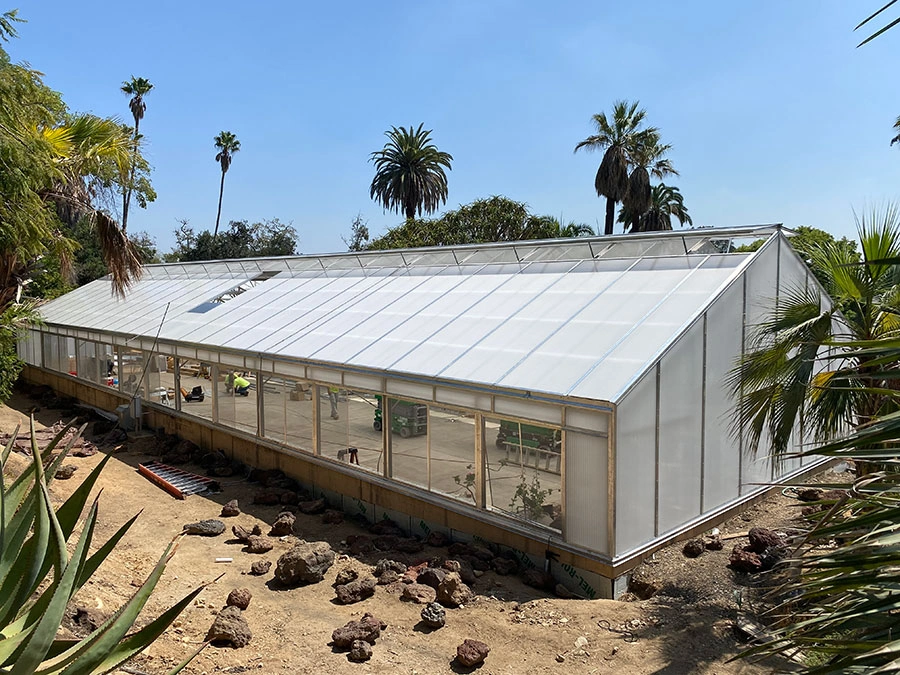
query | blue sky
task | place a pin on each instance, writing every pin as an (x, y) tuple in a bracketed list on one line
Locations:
[(773, 113)]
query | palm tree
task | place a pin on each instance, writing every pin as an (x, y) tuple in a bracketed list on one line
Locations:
[(227, 144), (896, 139), (137, 88), (649, 159), (619, 138), (775, 382), (666, 202), (409, 173)]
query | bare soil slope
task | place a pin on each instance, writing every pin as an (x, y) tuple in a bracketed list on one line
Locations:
[(686, 628)]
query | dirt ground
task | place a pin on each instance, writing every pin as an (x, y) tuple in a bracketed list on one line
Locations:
[(685, 628)]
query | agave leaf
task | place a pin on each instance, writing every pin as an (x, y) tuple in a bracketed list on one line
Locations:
[(104, 640), (24, 481), (41, 639), (9, 446), (181, 666)]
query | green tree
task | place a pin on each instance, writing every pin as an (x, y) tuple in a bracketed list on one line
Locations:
[(227, 144), (666, 202), (137, 88), (618, 137), (484, 220), (359, 235), (409, 173), (241, 240), (775, 382)]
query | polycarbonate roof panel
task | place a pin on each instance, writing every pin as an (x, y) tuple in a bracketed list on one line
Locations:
[(581, 319)]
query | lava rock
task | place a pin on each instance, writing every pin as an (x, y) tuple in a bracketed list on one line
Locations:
[(259, 544), (431, 577), (244, 534), (538, 579), (433, 615), (437, 539), (503, 565), (409, 545), (368, 629), (693, 548), (713, 543), (386, 542), (230, 627), (239, 597), (205, 528), (744, 561), (386, 526), (389, 577), (268, 496), (810, 494), (65, 472), (452, 592), (313, 507), (385, 565), (472, 653), (761, 539), (360, 651), (419, 593), (231, 509), (772, 556), (461, 567), (283, 525), (333, 517), (345, 576), (260, 567), (360, 544), (305, 563), (356, 591)]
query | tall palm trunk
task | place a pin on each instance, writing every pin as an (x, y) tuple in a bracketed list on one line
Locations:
[(610, 215), (219, 212), (126, 194)]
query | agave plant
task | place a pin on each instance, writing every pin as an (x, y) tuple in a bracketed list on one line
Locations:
[(33, 548)]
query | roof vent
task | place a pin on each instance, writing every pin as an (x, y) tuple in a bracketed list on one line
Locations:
[(233, 292)]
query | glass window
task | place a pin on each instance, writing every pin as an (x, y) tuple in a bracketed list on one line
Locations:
[(333, 429), (237, 398), (106, 356), (288, 411), (409, 441), (130, 366), (86, 361), (452, 452), (522, 464), (364, 430), (67, 356), (195, 388)]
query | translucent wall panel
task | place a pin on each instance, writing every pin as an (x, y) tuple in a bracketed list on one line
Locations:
[(452, 453), (409, 441), (723, 346), (288, 411), (195, 388), (587, 462), (761, 278), (237, 397), (523, 471), (636, 465), (680, 399), (363, 434), (334, 435)]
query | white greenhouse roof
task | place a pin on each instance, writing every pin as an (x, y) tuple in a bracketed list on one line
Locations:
[(575, 317)]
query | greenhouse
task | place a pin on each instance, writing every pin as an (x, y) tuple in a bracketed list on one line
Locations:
[(563, 398)]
